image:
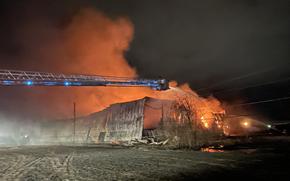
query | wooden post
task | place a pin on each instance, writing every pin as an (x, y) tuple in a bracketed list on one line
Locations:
[(195, 131), (162, 116), (88, 135), (74, 131)]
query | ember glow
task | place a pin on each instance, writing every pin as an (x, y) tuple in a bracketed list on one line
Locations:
[(246, 124)]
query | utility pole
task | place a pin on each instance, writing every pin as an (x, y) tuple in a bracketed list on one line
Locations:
[(195, 132), (74, 133), (162, 116)]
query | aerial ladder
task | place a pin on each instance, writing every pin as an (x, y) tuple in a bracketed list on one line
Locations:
[(31, 78)]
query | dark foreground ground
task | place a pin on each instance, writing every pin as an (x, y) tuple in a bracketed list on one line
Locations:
[(268, 161)]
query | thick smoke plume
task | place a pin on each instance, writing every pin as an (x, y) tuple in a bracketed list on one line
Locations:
[(90, 43)]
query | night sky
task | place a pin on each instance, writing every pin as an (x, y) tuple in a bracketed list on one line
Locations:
[(236, 50)]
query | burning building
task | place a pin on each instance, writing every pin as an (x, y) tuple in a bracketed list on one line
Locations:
[(120, 122)]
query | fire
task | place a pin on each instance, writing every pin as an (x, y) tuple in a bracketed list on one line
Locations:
[(190, 106), (204, 122), (212, 149), (97, 45), (92, 43)]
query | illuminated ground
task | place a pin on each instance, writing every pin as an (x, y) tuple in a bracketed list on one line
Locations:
[(107, 163)]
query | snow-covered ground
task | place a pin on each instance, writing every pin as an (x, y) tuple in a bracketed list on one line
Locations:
[(118, 163)]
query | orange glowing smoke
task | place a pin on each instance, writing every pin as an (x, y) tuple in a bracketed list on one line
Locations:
[(95, 44)]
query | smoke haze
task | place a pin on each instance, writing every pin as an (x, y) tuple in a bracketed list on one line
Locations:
[(204, 43)]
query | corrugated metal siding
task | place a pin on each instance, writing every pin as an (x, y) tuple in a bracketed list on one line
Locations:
[(119, 122), (124, 122)]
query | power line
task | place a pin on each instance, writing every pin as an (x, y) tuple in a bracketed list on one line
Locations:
[(253, 86), (233, 79), (239, 78), (263, 101)]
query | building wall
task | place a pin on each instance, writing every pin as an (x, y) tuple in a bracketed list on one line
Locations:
[(119, 122), (124, 122)]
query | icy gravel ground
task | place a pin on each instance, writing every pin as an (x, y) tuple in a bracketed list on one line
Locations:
[(117, 163)]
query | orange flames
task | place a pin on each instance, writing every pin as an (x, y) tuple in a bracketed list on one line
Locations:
[(203, 109), (95, 44)]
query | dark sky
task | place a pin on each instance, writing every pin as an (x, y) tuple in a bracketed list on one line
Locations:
[(226, 48)]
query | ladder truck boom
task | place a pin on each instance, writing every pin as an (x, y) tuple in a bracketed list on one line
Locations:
[(30, 78)]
